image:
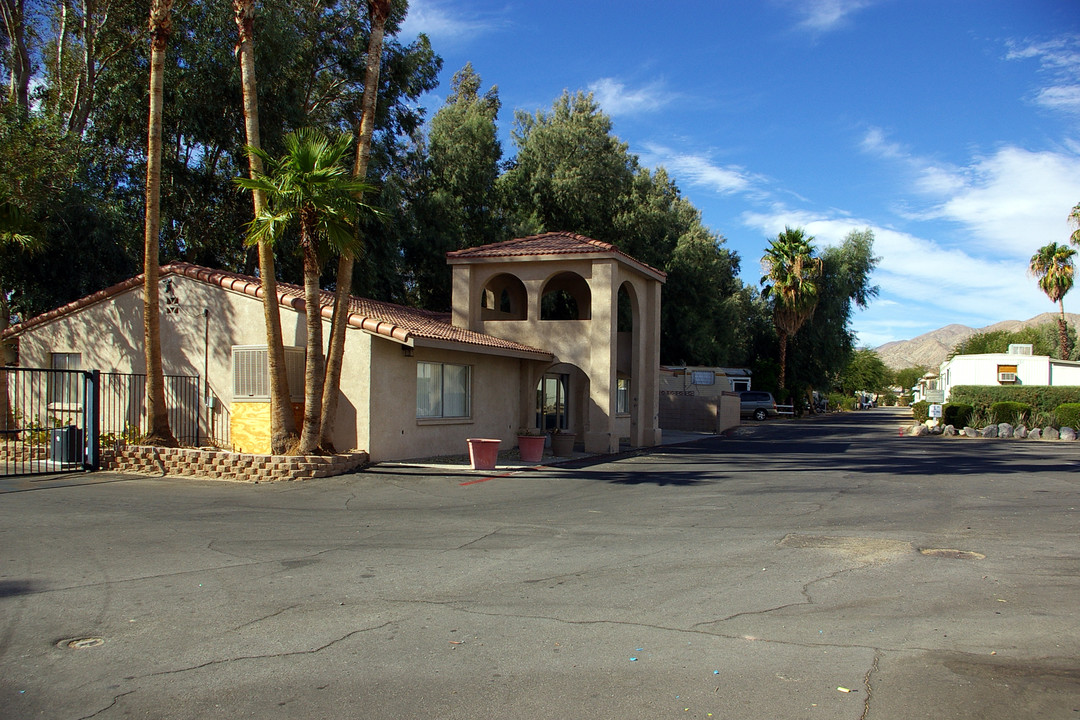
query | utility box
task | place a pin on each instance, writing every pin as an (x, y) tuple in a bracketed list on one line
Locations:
[(65, 445)]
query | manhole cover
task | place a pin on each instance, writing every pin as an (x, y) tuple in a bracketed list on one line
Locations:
[(951, 554), (80, 643)]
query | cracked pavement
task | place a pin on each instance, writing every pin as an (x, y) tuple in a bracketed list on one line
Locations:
[(754, 576)]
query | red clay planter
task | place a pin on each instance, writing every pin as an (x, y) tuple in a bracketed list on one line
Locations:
[(483, 452)]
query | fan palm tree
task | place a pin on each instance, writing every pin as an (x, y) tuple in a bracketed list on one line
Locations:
[(1074, 219), (283, 432), (158, 418), (1053, 266), (378, 12), (791, 274), (310, 189)]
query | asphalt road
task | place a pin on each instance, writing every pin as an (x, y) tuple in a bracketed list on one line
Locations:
[(812, 569)]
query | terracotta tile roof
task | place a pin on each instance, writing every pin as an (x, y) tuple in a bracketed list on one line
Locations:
[(552, 243), (404, 324)]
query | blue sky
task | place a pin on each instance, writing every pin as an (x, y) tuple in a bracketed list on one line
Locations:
[(951, 128)]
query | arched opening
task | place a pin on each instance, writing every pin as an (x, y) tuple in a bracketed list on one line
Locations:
[(504, 298), (566, 296), (627, 319)]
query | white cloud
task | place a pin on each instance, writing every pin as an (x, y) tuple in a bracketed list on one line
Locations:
[(700, 171), (616, 99), (440, 20), (825, 15), (1059, 58), (1015, 200), (1010, 202)]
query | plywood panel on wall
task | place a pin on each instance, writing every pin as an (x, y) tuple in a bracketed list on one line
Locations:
[(249, 426)]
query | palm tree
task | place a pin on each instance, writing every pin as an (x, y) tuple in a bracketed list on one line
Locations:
[(283, 433), (791, 274), (378, 12), (309, 188), (1074, 219), (158, 418), (1054, 267)]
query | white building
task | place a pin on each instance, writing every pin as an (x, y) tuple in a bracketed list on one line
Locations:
[(1018, 366)]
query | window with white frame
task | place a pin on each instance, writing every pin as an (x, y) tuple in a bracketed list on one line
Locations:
[(622, 396), (442, 390), (251, 372), (64, 387)]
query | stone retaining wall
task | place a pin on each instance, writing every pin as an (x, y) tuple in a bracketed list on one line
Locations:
[(224, 465)]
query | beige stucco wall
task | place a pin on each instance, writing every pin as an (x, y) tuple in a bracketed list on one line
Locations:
[(395, 430), (108, 335)]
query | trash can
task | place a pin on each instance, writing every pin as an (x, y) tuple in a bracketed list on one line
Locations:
[(65, 445)]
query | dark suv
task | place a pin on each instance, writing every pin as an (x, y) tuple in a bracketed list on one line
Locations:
[(756, 404)]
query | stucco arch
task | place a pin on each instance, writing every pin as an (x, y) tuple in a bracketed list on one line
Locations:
[(566, 296), (504, 298)]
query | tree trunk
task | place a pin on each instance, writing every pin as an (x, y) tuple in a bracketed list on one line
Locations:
[(378, 10), (783, 361), (283, 433), (1063, 332), (13, 13), (313, 368), (158, 417)]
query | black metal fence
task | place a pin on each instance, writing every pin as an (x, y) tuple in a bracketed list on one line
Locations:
[(58, 420)]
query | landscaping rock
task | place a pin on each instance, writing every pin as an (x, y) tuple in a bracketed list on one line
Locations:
[(1067, 433), (1021, 431), (918, 430), (1035, 434), (990, 431), (970, 431), (1004, 430), (1050, 433), (948, 431)]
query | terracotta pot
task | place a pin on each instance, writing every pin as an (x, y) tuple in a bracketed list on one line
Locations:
[(562, 444), (531, 447), (483, 452)]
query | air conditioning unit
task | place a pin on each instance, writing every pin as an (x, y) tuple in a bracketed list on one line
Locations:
[(1006, 377)]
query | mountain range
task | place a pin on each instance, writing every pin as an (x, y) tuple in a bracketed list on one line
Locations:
[(931, 349)]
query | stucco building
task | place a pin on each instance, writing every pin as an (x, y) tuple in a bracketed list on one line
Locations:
[(549, 331)]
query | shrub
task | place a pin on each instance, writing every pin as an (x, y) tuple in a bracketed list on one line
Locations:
[(921, 411), (889, 399), (903, 400), (1009, 412), (957, 414), (836, 401), (1067, 415), (1040, 397)]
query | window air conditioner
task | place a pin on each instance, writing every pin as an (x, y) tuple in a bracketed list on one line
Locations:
[(1007, 377)]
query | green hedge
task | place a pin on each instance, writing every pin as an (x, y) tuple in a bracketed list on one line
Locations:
[(957, 414), (1010, 412), (1041, 398), (1067, 415), (921, 411)]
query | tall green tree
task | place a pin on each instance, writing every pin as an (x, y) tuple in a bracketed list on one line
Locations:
[(1054, 266), (159, 432), (311, 188), (865, 372), (825, 344), (454, 202), (570, 172), (791, 278)]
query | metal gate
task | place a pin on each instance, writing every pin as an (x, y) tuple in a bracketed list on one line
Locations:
[(57, 420)]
